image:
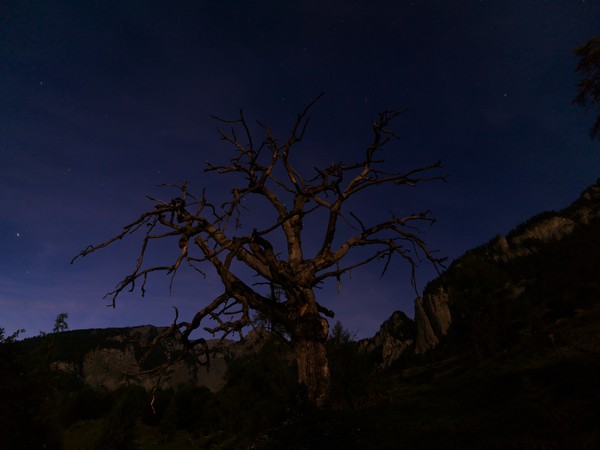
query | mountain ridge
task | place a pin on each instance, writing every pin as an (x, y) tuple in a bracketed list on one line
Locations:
[(111, 357), (514, 266), (523, 265)]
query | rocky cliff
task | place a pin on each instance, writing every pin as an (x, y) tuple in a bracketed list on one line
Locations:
[(545, 268), (109, 358), (111, 367), (395, 336), (432, 318)]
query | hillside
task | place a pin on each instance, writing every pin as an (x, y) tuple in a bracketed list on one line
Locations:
[(504, 353), (109, 358), (517, 287)]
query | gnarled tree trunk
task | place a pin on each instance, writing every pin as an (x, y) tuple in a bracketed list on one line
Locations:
[(308, 338)]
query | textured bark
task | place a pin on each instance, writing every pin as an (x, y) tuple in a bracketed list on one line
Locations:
[(313, 372), (309, 337)]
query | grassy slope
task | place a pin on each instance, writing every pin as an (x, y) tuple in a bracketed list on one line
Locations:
[(532, 397), (549, 407)]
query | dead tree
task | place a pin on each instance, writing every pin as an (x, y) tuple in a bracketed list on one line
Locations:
[(211, 235)]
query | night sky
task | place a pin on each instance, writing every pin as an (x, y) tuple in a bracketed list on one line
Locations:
[(102, 101)]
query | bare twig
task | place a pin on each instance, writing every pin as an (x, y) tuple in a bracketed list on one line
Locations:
[(267, 172)]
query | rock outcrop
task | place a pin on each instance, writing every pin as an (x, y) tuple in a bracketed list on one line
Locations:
[(432, 318), (516, 265), (116, 357), (395, 336)]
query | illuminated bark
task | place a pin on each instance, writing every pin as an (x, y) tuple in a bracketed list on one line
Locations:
[(211, 236)]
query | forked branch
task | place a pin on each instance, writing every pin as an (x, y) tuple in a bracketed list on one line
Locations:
[(265, 170)]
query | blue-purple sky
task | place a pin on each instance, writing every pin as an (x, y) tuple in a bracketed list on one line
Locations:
[(101, 101)]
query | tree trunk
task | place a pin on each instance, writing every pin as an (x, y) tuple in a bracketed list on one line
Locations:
[(311, 358)]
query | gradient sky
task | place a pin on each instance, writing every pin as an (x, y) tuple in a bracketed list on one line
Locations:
[(101, 101)]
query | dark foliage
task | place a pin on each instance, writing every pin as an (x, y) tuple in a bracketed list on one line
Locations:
[(26, 396), (84, 403), (193, 409), (261, 390), (119, 431), (60, 324), (72, 346), (350, 370), (588, 88)]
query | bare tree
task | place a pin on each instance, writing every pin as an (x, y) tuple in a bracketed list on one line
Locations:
[(211, 235)]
